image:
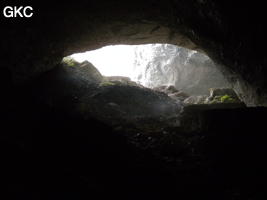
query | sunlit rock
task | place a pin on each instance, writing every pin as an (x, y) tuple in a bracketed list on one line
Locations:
[(156, 65), (179, 96), (187, 70), (168, 89), (172, 92), (222, 95), (84, 71), (195, 99), (118, 80), (226, 97)]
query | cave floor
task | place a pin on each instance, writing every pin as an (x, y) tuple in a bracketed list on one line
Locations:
[(47, 154)]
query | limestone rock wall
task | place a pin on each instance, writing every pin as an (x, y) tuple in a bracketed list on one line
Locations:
[(231, 33), (189, 71)]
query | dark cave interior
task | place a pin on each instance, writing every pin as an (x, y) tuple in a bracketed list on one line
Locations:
[(52, 147)]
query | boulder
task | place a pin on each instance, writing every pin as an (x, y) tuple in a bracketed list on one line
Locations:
[(160, 88), (195, 100), (171, 89), (222, 95), (84, 71), (168, 89), (179, 96), (132, 101), (118, 80), (81, 91), (222, 91)]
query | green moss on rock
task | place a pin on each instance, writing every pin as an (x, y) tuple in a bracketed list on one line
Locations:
[(227, 99), (70, 62)]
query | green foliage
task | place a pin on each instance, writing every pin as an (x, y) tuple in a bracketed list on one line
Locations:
[(226, 99), (223, 99), (70, 62)]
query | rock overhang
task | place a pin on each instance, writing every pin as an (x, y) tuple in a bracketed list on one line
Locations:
[(58, 30)]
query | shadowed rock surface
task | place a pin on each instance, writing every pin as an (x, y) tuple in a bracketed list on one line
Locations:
[(49, 152), (53, 154), (235, 40), (74, 139), (80, 89)]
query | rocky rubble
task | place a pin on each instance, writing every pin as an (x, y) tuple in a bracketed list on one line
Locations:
[(219, 98), (119, 80), (172, 92), (80, 89)]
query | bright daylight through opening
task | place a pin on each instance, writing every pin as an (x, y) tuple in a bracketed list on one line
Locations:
[(153, 65)]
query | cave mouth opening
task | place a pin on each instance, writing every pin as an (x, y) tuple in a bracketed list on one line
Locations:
[(156, 65), (160, 81)]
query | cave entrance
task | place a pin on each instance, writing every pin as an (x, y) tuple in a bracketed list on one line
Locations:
[(156, 65), (152, 81), (148, 88)]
